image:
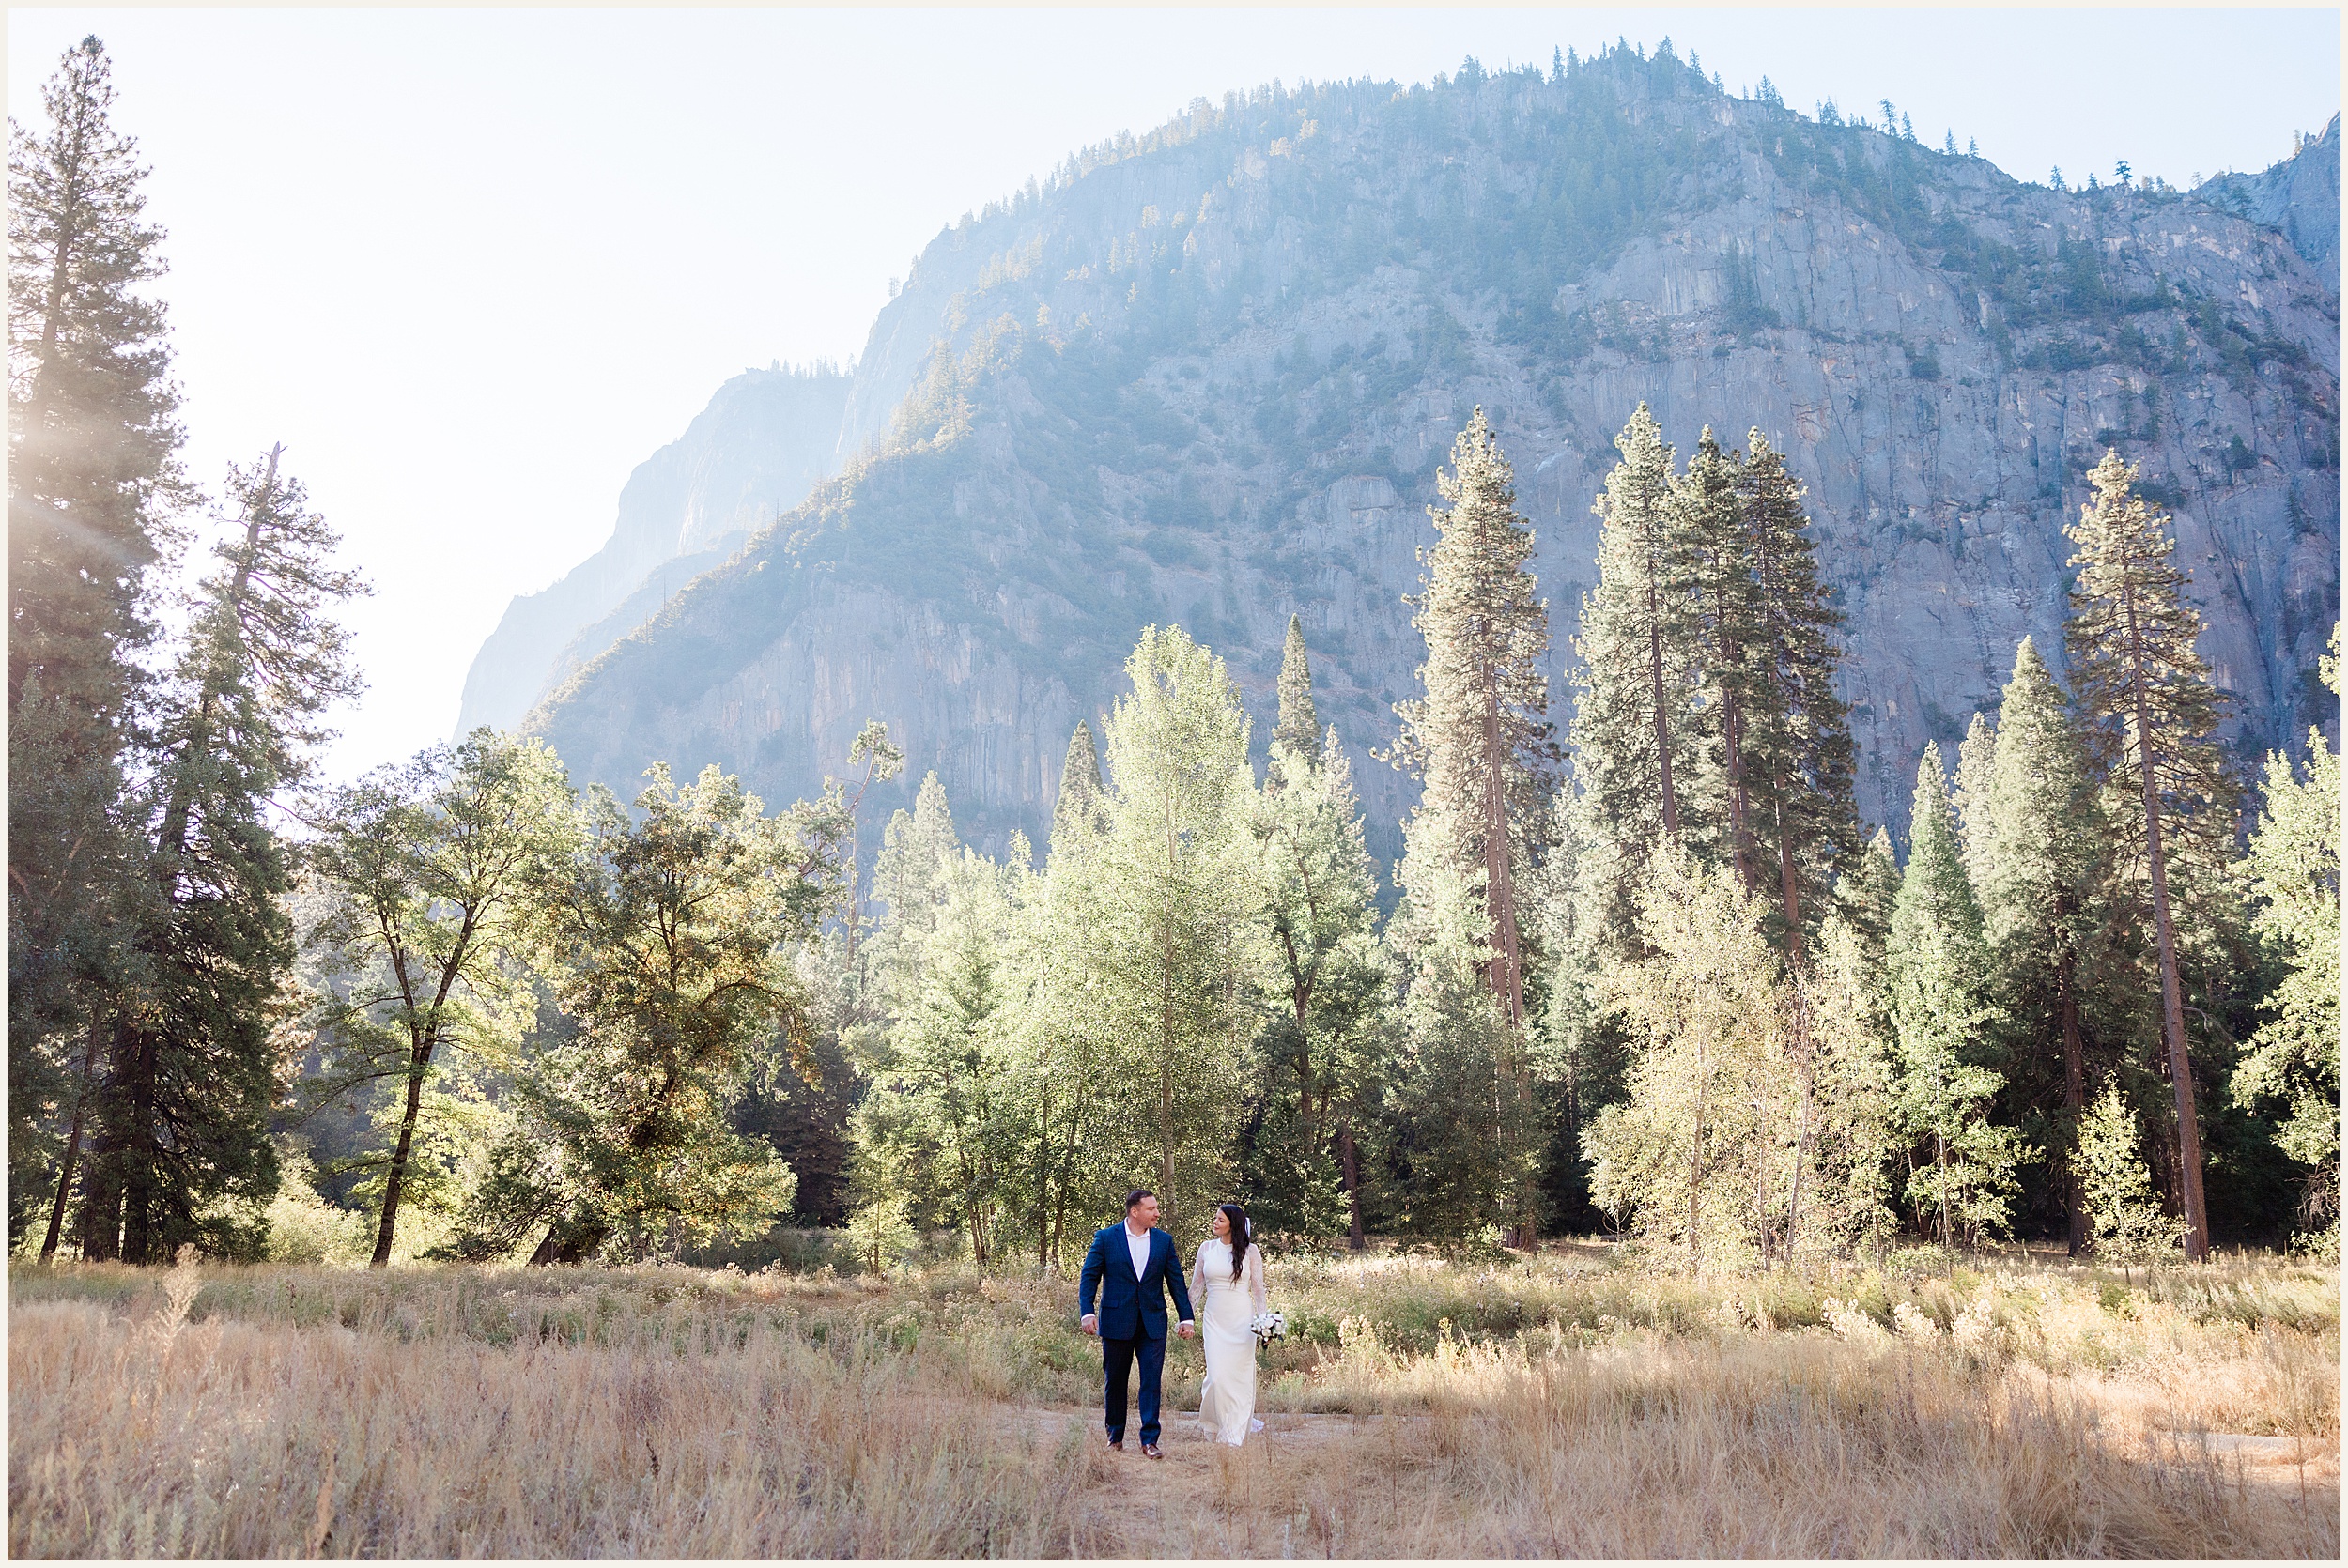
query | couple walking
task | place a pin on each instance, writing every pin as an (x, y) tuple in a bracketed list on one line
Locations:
[(1130, 1265)]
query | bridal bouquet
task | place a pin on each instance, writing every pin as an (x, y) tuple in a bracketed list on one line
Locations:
[(1268, 1325)]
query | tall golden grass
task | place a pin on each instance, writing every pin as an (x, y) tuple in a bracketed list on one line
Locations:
[(1570, 1407)]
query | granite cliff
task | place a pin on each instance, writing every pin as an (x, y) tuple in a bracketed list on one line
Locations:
[(1206, 376), (747, 459)]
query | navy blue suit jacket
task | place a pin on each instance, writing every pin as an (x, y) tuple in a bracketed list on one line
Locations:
[(1132, 1308)]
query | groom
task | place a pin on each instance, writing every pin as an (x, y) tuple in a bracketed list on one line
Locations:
[(1128, 1264)]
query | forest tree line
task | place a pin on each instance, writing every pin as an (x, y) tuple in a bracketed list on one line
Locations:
[(1651, 977)]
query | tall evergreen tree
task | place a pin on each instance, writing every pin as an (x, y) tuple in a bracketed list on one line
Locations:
[(2038, 841), (94, 487), (1481, 736), (1708, 521), (1633, 752), (192, 1072), (1298, 730), (1081, 791), (2153, 714), (1328, 996), (1937, 968), (1797, 777)]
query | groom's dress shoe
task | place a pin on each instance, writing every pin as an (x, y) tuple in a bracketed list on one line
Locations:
[(1151, 1451), (1118, 1443)]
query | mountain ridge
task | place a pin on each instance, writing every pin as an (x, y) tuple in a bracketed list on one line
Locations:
[(1207, 377)]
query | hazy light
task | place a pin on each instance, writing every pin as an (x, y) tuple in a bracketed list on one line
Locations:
[(472, 266)]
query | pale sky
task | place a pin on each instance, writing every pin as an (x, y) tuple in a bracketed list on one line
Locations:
[(471, 266)]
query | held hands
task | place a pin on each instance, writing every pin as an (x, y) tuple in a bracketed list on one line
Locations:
[(1185, 1329)]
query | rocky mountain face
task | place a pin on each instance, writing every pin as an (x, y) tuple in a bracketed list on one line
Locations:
[(749, 456), (1206, 376), (2299, 196)]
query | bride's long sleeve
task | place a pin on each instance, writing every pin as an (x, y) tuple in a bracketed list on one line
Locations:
[(1198, 1278), (1255, 1278)]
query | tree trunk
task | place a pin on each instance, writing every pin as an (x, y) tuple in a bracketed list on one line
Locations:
[(1805, 1072), (1663, 721), (142, 1155), (419, 1058), (72, 1144), (2074, 1078), (2172, 998), (1695, 1171), (1350, 1160)]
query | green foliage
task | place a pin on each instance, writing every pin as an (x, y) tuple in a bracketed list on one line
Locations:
[(1962, 1179), (1700, 1158), (2294, 871), (666, 935), (2126, 1224), (878, 1233), (426, 876)]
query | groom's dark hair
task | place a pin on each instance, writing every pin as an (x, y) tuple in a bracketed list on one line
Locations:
[(1136, 1196)]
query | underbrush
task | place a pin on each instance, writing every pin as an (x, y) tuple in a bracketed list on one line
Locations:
[(1991, 1409)]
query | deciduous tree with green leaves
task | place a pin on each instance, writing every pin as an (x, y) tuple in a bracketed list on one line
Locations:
[(432, 874), (669, 934), (1173, 913)]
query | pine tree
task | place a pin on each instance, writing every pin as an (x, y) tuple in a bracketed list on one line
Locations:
[(183, 1111), (1481, 736), (1798, 775), (2153, 715), (1327, 1002), (94, 487), (1936, 967), (1080, 788), (2125, 1222), (1870, 892), (1707, 520), (2293, 869), (1632, 749), (1298, 730), (2038, 837)]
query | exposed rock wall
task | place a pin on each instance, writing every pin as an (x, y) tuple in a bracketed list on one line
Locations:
[(1209, 379), (765, 440)]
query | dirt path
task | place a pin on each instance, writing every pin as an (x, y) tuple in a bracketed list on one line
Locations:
[(1276, 1496)]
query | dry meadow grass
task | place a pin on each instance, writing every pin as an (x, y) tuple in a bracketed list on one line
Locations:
[(1572, 1405)]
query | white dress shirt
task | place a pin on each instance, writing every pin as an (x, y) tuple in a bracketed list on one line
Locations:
[(1137, 1242)]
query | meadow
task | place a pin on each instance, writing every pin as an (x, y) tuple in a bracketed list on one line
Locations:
[(1573, 1403)]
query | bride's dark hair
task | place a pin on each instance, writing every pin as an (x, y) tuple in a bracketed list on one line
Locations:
[(1241, 1236)]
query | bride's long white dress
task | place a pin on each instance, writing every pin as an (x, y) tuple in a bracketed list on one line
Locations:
[(1227, 1399)]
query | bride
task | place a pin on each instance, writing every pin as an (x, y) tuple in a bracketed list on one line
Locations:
[(1227, 1281)]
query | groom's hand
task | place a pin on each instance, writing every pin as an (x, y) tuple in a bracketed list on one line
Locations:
[(1091, 1325), (1184, 1329)]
